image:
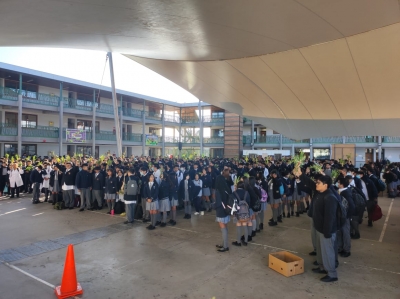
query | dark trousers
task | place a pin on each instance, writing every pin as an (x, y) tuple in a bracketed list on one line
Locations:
[(27, 183), (370, 207), (197, 203), (3, 182), (13, 189)]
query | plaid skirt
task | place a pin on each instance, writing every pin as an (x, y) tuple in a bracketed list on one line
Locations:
[(224, 220), (109, 196), (206, 192)]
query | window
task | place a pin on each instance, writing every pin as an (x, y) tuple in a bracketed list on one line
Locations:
[(87, 150), (87, 125), (217, 114), (26, 149), (28, 120)]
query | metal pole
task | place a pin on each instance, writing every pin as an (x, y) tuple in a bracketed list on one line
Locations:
[(144, 128), (379, 147), (60, 121), (20, 116), (94, 124), (115, 104), (201, 129), (280, 142), (252, 135), (163, 130), (121, 123), (180, 130), (311, 150)]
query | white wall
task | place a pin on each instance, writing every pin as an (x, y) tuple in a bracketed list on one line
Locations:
[(43, 149), (393, 154)]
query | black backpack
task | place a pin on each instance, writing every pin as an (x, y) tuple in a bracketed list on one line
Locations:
[(341, 212), (359, 201)]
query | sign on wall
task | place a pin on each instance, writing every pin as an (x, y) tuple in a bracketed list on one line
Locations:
[(75, 135), (151, 139)]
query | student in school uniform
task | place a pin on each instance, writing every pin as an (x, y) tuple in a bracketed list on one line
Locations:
[(110, 190), (152, 204), (186, 194), (173, 196), (163, 197), (198, 195)]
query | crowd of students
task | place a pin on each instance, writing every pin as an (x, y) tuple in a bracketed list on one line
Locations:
[(153, 189)]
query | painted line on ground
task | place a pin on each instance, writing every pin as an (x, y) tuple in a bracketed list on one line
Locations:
[(263, 245), (30, 275), (370, 268), (37, 214), (386, 221), (13, 211)]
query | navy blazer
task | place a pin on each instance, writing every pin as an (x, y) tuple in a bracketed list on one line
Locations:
[(153, 193), (111, 185)]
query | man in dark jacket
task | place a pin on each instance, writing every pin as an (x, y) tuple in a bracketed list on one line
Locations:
[(324, 218), (84, 183), (144, 177), (372, 195), (344, 240), (36, 179), (98, 187), (68, 183)]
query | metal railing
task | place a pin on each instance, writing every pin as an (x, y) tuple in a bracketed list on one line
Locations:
[(152, 115), (78, 104), (8, 94), (190, 139), (172, 118), (391, 139), (171, 139), (286, 140), (331, 140), (216, 140), (8, 129), (189, 120), (41, 131), (105, 108), (209, 119), (132, 137), (268, 139), (360, 139), (132, 112)]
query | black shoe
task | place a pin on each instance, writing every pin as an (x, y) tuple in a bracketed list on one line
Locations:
[(151, 227), (319, 271), (223, 249), (253, 234), (249, 238), (355, 236), (236, 243), (328, 279), (297, 214), (163, 224), (99, 208), (209, 210), (292, 214), (370, 223), (45, 200), (283, 215), (258, 230), (301, 212), (315, 263), (242, 238), (145, 220), (127, 222), (91, 209), (189, 216), (279, 219), (244, 243), (81, 210), (170, 221), (273, 223), (288, 215), (158, 223), (345, 254), (173, 223), (186, 216), (219, 246), (271, 220), (261, 226), (313, 253), (71, 208)]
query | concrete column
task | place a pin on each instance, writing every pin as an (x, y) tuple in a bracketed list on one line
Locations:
[(344, 139), (60, 121), (163, 131), (201, 128), (19, 136), (252, 135), (311, 150), (121, 122), (280, 142), (94, 124), (2, 83), (379, 147), (293, 152), (144, 128)]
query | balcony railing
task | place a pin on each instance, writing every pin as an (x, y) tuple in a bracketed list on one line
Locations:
[(78, 104), (172, 118), (40, 131), (8, 94), (216, 140), (132, 112), (105, 108), (171, 139), (152, 115), (190, 120), (360, 139), (272, 139), (8, 129), (132, 137), (332, 140), (391, 139), (209, 119), (191, 139)]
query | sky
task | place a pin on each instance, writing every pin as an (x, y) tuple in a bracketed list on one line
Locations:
[(90, 66)]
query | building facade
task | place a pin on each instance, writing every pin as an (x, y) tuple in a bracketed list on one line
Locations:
[(46, 106)]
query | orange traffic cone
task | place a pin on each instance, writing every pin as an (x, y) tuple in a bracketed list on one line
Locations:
[(69, 283)]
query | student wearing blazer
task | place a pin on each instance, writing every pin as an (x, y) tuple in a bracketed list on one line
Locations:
[(111, 188), (151, 194)]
